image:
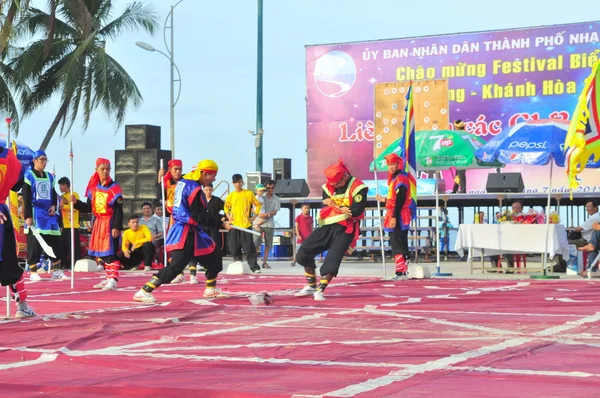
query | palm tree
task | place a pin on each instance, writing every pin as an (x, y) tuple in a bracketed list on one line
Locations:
[(10, 84), (76, 65)]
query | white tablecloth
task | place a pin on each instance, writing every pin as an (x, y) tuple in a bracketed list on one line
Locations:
[(511, 238)]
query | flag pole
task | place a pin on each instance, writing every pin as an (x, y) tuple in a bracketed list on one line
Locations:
[(381, 237), (381, 241), (164, 217), (72, 219), (8, 120)]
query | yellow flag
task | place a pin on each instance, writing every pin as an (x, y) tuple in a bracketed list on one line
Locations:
[(583, 137)]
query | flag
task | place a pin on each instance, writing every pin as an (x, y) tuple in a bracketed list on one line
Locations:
[(408, 149), (583, 136), (14, 205)]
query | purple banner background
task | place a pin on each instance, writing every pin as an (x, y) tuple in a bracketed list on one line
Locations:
[(341, 78)]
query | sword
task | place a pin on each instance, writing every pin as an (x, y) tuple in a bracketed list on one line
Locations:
[(47, 249), (246, 230)]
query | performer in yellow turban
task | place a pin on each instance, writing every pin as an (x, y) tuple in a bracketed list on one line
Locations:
[(186, 238)]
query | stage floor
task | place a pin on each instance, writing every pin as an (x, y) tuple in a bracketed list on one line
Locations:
[(371, 338)]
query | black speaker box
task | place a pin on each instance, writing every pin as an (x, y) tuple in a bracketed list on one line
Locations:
[(148, 160), (146, 186), (504, 182), (142, 136), (292, 188), (125, 162), (255, 178), (127, 183), (282, 169)]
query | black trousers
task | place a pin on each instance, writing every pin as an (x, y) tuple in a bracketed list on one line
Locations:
[(217, 237), (508, 257), (66, 243), (143, 253), (399, 242), (239, 240), (213, 262), (331, 238), (10, 272), (35, 251)]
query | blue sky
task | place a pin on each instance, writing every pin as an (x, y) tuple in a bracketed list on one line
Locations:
[(215, 50)]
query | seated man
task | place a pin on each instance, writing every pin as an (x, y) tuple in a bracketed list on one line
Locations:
[(586, 229), (592, 249), (137, 245), (517, 210)]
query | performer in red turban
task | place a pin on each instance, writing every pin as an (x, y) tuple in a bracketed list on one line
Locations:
[(345, 199), (105, 202), (10, 273), (400, 209)]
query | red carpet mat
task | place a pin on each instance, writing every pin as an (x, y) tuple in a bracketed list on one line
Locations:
[(370, 338)]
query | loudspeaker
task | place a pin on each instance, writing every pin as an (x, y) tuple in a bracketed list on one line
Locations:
[(146, 186), (148, 160), (127, 183), (282, 169), (127, 210), (255, 178), (504, 182), (125, 162), (142, 136), (296, 188)]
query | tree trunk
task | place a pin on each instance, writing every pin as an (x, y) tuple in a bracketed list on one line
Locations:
[(6, 28), (59, 116)]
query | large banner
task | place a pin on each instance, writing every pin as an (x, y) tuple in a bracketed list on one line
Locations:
[(495, 80)]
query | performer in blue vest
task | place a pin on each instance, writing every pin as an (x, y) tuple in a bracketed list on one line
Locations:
[(41, 212), (186, 238), (10, 272)]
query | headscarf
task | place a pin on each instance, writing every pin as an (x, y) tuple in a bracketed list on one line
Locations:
[(36, 155), (206, 165), (459, 124), (172, 163), (95, 179), (391, 159), (335, 172)]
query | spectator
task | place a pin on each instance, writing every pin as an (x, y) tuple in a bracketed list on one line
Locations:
[(258, 221), (215, 206), (137, 245), (586, 229), (304, 227), (271, 205), (154, 224), (64, 186), (241, 208)]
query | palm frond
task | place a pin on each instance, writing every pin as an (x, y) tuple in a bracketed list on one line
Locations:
[(37, 23), (136, 16)]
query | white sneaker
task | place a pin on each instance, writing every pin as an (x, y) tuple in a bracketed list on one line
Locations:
[(178, 279), (213, 292), (147, 268), (25, 311), (306, 291), (101, 284), (256, 271), (34, 277), (59, 275), (144, 297), (403, 277), (318, 296), (193, 280), (111, 284)]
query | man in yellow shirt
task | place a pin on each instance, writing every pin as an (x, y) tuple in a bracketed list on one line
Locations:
[(65, 210), (241, 208), (137, 245)]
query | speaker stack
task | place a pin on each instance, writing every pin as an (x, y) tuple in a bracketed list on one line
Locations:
[(136, 167), (282, 169)]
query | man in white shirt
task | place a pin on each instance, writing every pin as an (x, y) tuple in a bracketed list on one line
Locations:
[(154, 224), (591, 207)]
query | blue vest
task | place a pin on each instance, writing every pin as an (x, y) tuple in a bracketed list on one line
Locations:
[(185, 194), (41, 200)]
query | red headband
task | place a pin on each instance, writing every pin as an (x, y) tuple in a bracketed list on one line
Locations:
[(175, 163), (100, 161)]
